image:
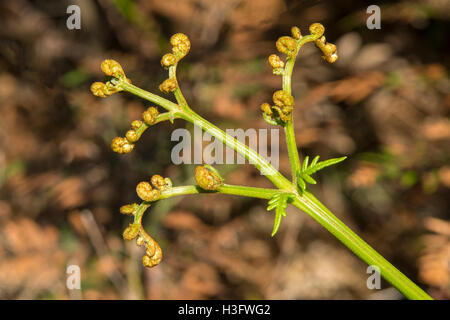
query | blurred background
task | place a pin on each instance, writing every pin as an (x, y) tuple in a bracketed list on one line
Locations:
[(385, 103)]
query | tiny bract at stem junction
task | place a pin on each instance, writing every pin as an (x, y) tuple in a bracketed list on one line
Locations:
[(279, 112)]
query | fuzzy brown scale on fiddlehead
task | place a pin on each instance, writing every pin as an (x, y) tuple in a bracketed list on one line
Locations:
[(121, 145), (284, 104), (168, 85), (112, 68), (140, 241), (180, 45), (277, 64), (149, 115), (296, 33), (131, 231), (275, 61), (132, 136), (282, 98), (150, 191), (145, 191), (158, 182), (287, 45), (317, 29), (153, 252), (129, 209), (103, 90), (267, 109), (153, 260), (136, 124), (161, 183), (329, 50), (207, 179), (168, 60)]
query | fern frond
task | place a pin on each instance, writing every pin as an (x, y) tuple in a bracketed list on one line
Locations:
[(279, 203), (304, 174)]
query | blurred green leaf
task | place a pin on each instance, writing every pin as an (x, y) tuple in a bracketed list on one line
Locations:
[(409, 179), (74, 78), (246, 90), (12, 168)]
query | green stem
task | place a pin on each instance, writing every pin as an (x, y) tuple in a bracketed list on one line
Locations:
[(289, 126), (292, 150), (140, 212), (144, 94), (177, 93), (261, 193)]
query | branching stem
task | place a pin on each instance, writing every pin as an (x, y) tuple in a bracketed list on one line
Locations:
[(304, 200)]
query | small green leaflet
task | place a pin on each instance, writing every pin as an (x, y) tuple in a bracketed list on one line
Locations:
[(171, 116), (279, 202), (269, 120), (304, 174)]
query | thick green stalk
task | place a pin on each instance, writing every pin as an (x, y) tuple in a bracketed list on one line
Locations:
[(309, 204)]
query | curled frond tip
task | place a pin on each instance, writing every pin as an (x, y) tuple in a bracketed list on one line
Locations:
[(180, 45), (121, 145), (112, 68), (207, 179), (168, 85)]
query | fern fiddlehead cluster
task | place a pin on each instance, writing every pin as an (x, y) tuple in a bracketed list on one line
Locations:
[(208, 180)]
